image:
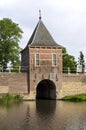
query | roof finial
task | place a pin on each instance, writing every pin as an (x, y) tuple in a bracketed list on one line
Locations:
[(39, 14)]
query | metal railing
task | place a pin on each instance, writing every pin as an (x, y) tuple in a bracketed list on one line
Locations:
[(26, 68), (10, 69)]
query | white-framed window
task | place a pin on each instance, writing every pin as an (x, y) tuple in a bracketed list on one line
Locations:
[(37, 59), (54, 59)]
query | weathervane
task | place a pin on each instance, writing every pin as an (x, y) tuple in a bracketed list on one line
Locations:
[(39, 14)]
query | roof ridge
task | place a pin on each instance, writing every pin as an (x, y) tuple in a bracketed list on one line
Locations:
[(36, 31)]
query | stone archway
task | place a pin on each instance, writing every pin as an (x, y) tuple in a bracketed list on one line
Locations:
[(46, 89)]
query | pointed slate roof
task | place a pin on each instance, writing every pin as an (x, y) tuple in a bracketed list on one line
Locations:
[(41, 37)]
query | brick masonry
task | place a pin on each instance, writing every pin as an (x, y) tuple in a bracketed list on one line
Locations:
[(45, 70), (72, 84), (17, 83)]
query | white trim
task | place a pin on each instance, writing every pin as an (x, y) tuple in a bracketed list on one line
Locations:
[(55, 59), (36, 59)]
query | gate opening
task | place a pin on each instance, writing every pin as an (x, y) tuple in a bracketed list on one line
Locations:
[(46, 89)]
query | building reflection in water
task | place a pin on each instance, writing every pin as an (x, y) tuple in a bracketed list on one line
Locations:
[(54, 115), (45, 107), (38, 114)]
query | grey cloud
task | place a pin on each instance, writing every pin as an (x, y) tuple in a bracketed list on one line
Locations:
[(65, 20)]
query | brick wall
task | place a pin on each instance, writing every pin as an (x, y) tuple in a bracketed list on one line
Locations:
[(13, 83), (45, 70), (72, 84), (18, 83), (25, 60)]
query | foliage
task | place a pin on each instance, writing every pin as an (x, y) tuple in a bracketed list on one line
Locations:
[(10, 98), (10, 34), (68, 62), (81, 60), (78, 97), (6, 98), (18, 97)]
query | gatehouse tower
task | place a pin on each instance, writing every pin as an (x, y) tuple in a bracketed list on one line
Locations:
[(42, 60)]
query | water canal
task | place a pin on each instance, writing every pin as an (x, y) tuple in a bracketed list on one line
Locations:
[(43, 115)]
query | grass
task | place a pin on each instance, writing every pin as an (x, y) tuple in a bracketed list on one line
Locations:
[(76, 98), (8, 98)]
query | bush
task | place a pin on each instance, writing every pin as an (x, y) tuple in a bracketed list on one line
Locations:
[(18, 97), (78, 97), (10, 98)]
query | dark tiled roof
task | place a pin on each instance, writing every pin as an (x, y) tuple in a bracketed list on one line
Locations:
[(41, 36)]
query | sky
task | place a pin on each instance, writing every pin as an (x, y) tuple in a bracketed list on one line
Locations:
[(64, 19)]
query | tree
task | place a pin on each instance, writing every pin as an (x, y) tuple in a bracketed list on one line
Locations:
[(68, 62), (81, 61), (10, 34)]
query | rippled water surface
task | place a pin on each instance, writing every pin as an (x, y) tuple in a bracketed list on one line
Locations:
[(43, 115)]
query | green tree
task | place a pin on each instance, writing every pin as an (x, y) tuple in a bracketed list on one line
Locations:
[(81, 61), (10, 35), (68, 62)]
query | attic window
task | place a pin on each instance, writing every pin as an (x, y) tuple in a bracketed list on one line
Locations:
[(37, 62), (54, 59)]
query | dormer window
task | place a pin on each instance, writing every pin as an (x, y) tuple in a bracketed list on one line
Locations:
[(37, 61), (54, 60)]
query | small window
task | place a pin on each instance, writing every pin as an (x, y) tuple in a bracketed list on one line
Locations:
[(54, 59), (37, 60)]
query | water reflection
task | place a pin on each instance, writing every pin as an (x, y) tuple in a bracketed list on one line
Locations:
[(10, 105), (45, 107), (70, 116), (45, 115), (45, 110)]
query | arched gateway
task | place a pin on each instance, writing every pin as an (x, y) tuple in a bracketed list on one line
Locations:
[(42, 60), (46, 89)]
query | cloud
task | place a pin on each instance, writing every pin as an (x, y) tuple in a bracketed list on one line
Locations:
[(65, 20), (7, 3)]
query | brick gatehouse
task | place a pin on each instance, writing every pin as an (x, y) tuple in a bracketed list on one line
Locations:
[(42, 60)]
